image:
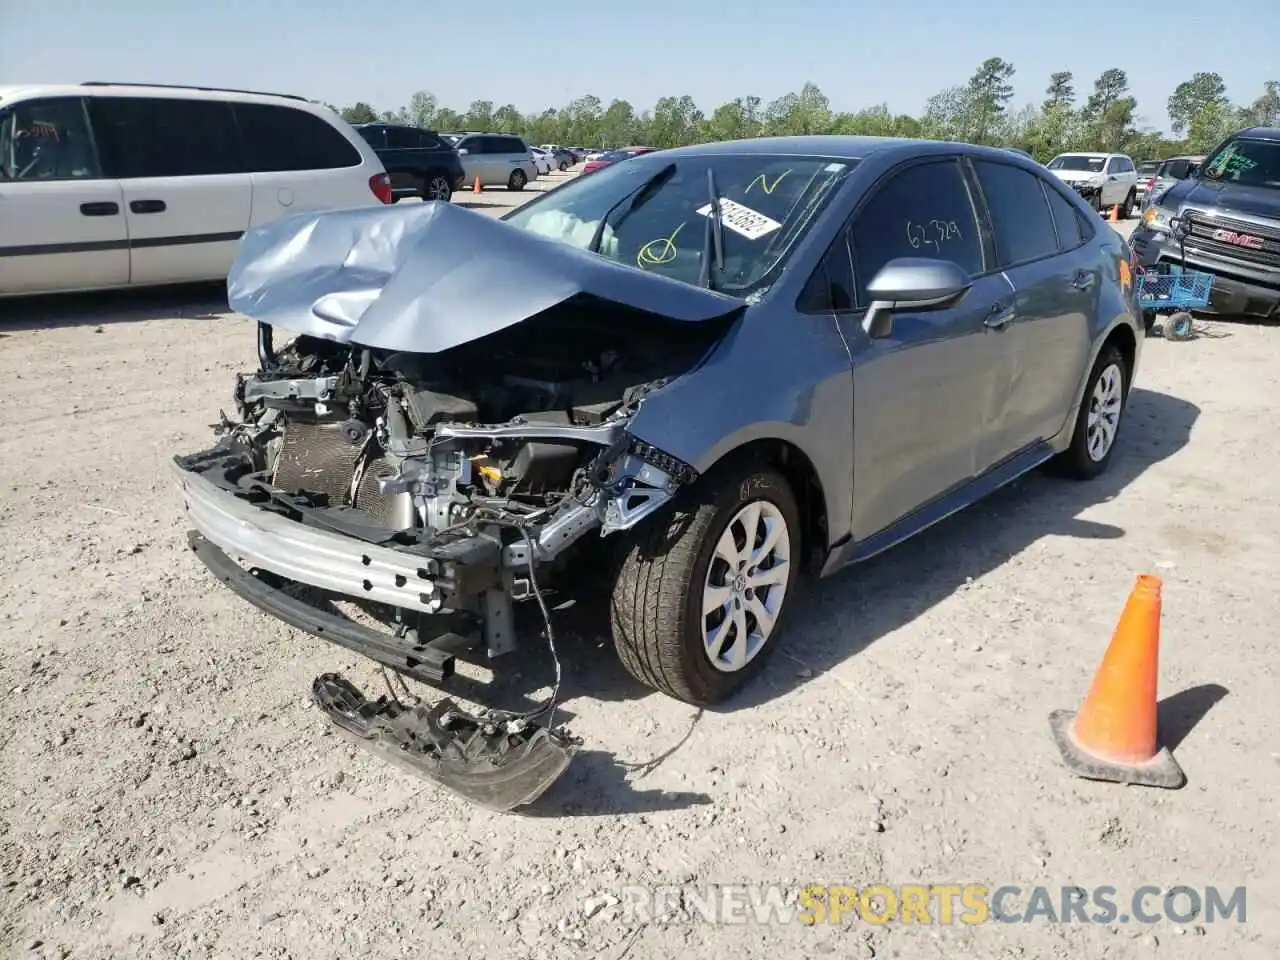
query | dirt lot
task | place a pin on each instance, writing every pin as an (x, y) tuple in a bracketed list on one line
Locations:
[(169, 791)]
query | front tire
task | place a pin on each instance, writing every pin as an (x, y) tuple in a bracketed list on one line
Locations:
[(699, 601), (1126, 211), (517, 181), (1097, 429)]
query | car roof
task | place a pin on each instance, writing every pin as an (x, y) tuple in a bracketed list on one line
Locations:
[(841, 148), (159, 90), (1260, 133)]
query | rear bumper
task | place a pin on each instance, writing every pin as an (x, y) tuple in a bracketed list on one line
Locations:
[(305, 554), (1239, 289)]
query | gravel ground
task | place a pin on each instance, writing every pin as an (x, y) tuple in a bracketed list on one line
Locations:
[(168, 791)]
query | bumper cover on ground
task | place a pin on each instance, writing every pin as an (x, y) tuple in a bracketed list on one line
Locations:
[(497, 764)]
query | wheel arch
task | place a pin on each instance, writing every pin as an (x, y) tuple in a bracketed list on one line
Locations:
[(804, 480), (1124, 338)]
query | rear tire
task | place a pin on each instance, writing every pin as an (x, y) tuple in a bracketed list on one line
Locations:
[(686, 560), (436, 187), (1098, 423), (517, 181), (1126, 211)]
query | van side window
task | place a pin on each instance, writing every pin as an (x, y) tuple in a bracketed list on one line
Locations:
[(278, 138), (47, 140), (165, 137)]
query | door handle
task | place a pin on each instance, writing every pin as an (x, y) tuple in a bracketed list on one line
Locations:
[(999, 316), (104, 208), (1084, 280), (147, 206)]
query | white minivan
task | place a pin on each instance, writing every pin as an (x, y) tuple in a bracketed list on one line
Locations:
[(118, 185)]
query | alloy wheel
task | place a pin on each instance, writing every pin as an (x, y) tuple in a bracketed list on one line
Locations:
[(745, 586), (1104, 412)]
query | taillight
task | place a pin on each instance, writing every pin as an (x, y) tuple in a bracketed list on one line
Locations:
[(380, 184)]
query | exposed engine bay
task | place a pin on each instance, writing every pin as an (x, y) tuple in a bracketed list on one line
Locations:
[(518, 429), (439, 486)]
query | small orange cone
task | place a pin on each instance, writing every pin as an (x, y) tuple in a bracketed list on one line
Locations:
[(478, 187), (1113, 736), (1115, 213)]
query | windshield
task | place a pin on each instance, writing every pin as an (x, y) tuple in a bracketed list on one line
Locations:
[(766, 204), (1148, 167), (1250, 163), (1090, 164)]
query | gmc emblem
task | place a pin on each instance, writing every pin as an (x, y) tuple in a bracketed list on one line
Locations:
[(1238, 239)]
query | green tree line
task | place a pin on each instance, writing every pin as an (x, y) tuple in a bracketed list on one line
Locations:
[(978, 111)]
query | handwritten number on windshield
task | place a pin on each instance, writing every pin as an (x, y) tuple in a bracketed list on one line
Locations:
[(932, 233)]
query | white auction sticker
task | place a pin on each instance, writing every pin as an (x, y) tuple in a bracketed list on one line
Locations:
[(742, 220)]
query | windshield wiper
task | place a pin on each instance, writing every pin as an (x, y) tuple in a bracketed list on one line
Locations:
[(639, 196), (714, 242)]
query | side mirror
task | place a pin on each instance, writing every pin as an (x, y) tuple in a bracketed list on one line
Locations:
[(912, 283)]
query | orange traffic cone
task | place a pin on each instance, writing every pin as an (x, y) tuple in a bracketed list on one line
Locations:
[(1113, 737), (1115, 213), (478, 187)]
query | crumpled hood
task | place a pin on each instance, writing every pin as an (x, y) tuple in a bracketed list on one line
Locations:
[(428, 277), (1227, 197)]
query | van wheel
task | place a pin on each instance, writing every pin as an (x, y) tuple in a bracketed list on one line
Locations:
[(517, 181), (437, 188), (699, 601)]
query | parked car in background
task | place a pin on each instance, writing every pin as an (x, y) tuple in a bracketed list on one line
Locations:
[(1167, 174), (1229, 207), (1146, 171), (594, 155), (419, 162), (614, 156), (114, 185), (1104, 179), (703, 396), (563, 157), (543, 161), (498, 159)]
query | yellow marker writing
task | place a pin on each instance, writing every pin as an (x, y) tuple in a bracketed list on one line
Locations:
[(660, 251), (765, 185)]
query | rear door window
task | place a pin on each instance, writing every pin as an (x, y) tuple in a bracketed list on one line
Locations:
[(924, 211), (1020, 214), (278, 138), (403, 138), (1066, 219), (47, 140), (165, 137)]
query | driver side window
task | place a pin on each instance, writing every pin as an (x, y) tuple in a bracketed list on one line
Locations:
[(47, 140), (923, 211)]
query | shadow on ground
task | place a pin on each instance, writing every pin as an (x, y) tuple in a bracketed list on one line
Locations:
[(889, 591), (185, 302), (1178, 715)]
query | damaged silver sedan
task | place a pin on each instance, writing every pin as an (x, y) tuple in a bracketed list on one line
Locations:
[(700, 372)]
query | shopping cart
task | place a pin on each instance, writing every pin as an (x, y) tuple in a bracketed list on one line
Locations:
[(1172, 289)]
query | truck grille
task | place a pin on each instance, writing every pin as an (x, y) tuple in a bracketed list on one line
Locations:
[(316, 458), (1216, 236)]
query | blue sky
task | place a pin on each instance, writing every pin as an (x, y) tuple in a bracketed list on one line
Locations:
[(539, 54)]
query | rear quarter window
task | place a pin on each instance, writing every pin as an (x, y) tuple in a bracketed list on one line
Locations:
[(279, 138)]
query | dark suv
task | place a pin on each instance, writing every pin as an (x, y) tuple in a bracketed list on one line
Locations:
[(419, 162), (1230, 207)]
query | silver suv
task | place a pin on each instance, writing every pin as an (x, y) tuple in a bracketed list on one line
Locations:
[(498, 159)]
